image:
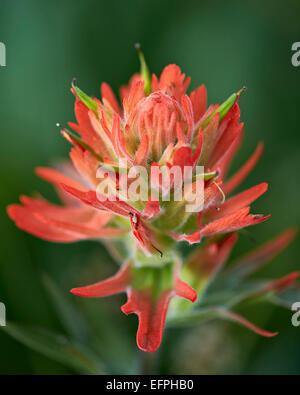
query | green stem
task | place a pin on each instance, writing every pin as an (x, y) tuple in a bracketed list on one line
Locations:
[(148, 362)]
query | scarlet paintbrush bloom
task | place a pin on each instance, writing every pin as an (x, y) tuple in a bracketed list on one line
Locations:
[(157, 126)]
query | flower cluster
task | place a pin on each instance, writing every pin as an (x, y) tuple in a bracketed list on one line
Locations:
[(157, 126)]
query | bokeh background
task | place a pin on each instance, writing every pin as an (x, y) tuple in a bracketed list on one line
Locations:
[(224, 44)]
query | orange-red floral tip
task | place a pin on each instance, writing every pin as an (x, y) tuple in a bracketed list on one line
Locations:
[(159, 126)]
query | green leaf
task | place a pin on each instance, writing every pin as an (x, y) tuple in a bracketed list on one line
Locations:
[(219, 312), (206, 176), (287, 297), (70, 317), (230, 294), (192, 317), (88, 101), (55, 346), (224, 108)]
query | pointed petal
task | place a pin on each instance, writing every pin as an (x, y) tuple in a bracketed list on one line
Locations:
[(181, 137), (27, 221), (198, 99), (115, 206), (232, 222), (253, 260), (198, 151), (86, 130), (80, 231), (116, 284), (281, 284), (56, 177), (204, 262), (135, 95), (85, 164), (62, 224), (141, 155), (237, 202), (225, 142), (188, 112), (230, 315), (109, 98), (152, 208), (79, 214), (235, 180), (223, 164), (119, 140), (192, 238), (126, 89), (184, 290), (172, 82)]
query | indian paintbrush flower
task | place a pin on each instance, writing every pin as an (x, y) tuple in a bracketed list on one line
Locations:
[(158, 125)]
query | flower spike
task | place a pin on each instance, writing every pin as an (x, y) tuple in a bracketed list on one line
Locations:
[(150, 172)]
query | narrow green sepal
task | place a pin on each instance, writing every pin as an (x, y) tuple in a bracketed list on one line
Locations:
[(72, 137), (144, 71), (224, 107), (88, 101), (206, 176)]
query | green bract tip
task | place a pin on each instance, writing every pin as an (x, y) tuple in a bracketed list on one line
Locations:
[(224, 107), (144, 70), (88, 101)]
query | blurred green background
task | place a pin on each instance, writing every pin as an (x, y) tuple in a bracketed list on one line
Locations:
[(224, 44)]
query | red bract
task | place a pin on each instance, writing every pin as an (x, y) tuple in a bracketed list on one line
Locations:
[(160, 127), (150, 306)]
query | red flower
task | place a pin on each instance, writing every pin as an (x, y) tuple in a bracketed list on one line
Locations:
[(160, 127)]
